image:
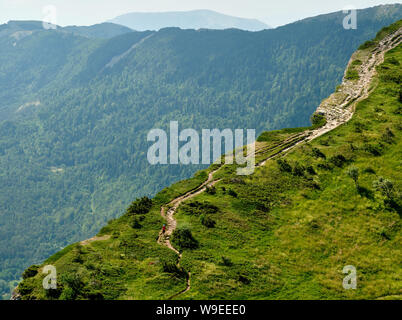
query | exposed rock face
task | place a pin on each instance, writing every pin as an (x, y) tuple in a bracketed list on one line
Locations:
[(339, 107), (15, 295)]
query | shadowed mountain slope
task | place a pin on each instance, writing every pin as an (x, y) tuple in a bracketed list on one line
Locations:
[(75, 112)]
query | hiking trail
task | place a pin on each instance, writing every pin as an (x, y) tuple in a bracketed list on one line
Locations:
[(338, 109)]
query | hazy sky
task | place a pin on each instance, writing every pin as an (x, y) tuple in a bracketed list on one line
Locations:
[(87, 12)]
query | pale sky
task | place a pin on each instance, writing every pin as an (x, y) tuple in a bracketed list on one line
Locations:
[(88, 12)]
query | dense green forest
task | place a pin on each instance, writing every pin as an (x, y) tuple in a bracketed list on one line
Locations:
[(285, 232), (75, 112)]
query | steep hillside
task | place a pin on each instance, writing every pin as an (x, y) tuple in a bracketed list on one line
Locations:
[(75, 112), (320, 199)]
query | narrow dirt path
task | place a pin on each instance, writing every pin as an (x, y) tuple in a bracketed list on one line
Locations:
[(352, 92), (336, 113), (168, 212)]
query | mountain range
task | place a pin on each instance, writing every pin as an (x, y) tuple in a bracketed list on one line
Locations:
[(196, 19), (76, 105), (320, 218)]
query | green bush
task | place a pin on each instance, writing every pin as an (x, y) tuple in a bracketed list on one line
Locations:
[(68, 294), (284, 166), (385, 186), (73, 285), (243, 279), (197, 208), (368, 44), (393, 61), (263, 207), (54, 293), (207, 221), (298, 170), (77, 254), (353, 172), (391, 76), (375, 149), (226, 262), (369, 170), (211, 190), (325, 166), (318, 120), (313, 184), (169, 265), (106, 230), (357, 62), (135, 224), (359, 126), (237, 180), (388, 136), (25, 288), (310, 170), (338, 160), (388, 30), (232, 193), (317, 153), (77, 257), (95, 295), (352, 74), (140, 206), (30, 272), (184, 239)]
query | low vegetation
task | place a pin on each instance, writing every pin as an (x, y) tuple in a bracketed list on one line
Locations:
[(74, 118), (285, 232)]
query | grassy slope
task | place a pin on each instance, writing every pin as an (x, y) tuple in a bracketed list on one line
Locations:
[(127, 266), (297, 246), (286, 238), (96, 130)]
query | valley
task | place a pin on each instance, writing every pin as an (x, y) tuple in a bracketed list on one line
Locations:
[(352, 93), (322, 197), (74, 161)]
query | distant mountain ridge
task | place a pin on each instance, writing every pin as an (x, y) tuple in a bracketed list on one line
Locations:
[(322, 200), (196, 19), (75, 112), (104, 30)]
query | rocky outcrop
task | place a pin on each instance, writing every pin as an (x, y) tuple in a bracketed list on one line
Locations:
[(339, 107), (15, 295)]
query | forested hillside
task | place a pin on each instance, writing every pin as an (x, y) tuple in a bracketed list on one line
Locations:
[(285, 232), (75, 112)]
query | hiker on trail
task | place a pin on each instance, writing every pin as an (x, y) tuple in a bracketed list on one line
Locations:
[(164, 229)]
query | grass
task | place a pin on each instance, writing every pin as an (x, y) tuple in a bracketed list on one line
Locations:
[(291, 239), (352, 74), (277, 235), (381, 35)]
